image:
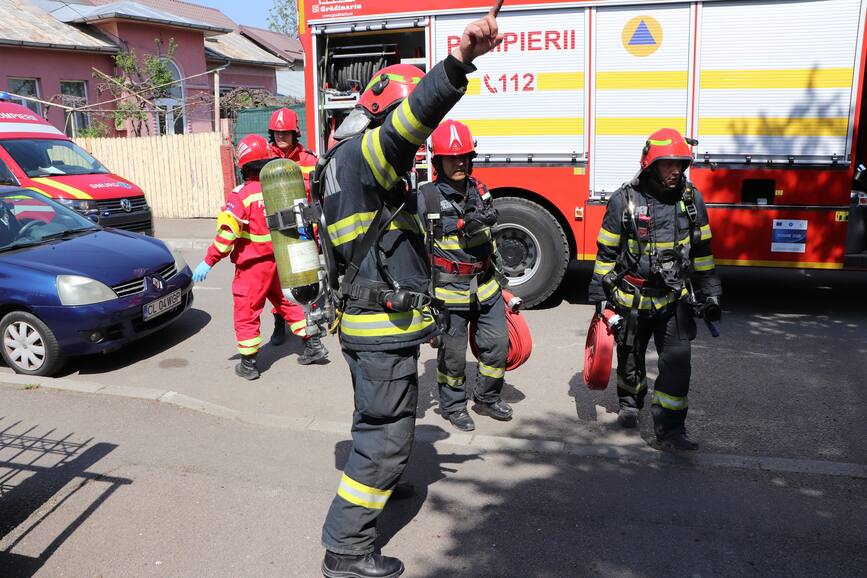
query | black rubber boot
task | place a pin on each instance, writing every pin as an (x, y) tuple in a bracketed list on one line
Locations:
[(676, 442), (247, 368), (313, 351), (461, 419), (499, 410), (279, 335), (364, 566), (628, 417)]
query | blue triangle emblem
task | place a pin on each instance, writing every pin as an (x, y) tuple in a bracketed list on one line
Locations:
[(642, 36)]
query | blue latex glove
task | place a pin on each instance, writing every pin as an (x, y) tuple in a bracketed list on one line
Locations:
[(201, 272)]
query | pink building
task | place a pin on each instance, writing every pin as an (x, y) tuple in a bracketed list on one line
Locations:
[(50, 50)]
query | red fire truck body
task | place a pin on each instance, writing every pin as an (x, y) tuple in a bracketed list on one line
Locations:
[(772, 91)]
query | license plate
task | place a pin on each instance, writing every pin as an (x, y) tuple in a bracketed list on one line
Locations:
[(161, 305)]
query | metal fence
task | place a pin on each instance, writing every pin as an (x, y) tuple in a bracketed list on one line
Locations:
[(181, 175)]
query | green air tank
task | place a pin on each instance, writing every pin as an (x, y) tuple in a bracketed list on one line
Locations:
[(296, 253)]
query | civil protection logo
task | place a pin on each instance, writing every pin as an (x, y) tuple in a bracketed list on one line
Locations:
[(642, 36)]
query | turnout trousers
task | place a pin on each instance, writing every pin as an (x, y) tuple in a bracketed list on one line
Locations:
[(254, 283), (672, 334), (492, 340), (383, 425)]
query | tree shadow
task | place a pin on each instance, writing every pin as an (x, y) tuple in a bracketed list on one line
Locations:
[(31, 492)]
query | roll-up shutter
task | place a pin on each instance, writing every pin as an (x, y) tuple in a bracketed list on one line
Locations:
[(641, 85), (527, 98), (776, 80)]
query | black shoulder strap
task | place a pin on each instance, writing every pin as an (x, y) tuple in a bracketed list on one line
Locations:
[(688, 198), (321, 164), (363, 248), (432, 205)]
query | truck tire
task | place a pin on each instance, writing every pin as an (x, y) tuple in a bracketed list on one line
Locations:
[(28, 346), (533, 247)]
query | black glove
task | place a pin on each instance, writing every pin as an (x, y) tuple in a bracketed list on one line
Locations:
[(711, 309)]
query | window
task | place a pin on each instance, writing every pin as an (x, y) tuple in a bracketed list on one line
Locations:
[(45, 158), (26, 87), (74, 93), (171, 118), (6, 176)]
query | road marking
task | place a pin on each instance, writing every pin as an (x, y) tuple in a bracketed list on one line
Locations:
[(630, 449)]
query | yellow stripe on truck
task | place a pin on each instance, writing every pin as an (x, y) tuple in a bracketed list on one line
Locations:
[(642, 80), (774, 126), (525, 126), (76, 193), (541, 82), (628, 126), (802, 78)]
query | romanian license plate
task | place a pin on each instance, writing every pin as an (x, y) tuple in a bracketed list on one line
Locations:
[(161, 305)]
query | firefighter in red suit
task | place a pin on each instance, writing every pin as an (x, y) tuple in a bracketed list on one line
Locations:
[(284, 135), (243, 234)]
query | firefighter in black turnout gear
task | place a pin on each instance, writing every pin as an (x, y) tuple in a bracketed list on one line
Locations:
[(654, 267), (462, 213), (378, 239)]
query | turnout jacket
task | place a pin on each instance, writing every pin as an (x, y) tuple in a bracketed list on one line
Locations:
[(241, 229), (449, 244), (366, 172), (663, 223)]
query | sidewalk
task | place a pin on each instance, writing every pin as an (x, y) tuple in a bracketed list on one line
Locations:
[(186, 234)]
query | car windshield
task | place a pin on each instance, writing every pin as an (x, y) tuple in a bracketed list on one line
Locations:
[(28, 218), (44, 158)]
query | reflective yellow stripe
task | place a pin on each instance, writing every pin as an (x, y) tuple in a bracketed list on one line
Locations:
[(632, 126), (642, 80), (299, 328), (228, 219), (608, 238), (76, 193), (306, 170), (371, 149), (393, 323), (361, 495), (646, 302), (648, 247), (803, 78), (773, 126), (450, 381), (252, 199), (350, 227), (568, 126), (548, 81), (705, 232), (463, 296), (671, 402), (492, 372), (621, 383), (226, 235), (603, 267), (248, 350), (251, 342), (40, 191), (408, 126), (396, 78), (455, 243), (703, 263), (256, 238), (222, 248)]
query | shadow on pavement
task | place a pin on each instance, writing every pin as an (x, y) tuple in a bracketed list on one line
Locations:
[(187, 325), (31, 492)]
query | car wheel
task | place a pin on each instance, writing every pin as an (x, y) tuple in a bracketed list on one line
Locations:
[(533, 247), (29, 346)]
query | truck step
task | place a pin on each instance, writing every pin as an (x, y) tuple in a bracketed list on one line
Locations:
[(855, 260)]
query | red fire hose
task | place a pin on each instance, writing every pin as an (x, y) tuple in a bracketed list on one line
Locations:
[(520, 340), (599, 352)]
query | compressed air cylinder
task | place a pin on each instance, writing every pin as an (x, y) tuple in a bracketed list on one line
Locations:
[(297, 255)]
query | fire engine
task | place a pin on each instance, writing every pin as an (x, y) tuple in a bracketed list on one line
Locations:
[(772, 91)]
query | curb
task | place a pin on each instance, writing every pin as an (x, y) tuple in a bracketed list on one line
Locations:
[(615, 446), (187, 244)]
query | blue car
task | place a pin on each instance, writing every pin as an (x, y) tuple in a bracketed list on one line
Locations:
[(70, 287)]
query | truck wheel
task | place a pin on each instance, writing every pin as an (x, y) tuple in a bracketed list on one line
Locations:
[(29, 346), (533, 247)]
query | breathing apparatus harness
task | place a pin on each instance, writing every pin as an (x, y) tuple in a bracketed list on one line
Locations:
[(672, 266)]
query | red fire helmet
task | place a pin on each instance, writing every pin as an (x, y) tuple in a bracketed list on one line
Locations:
[(284, 119), (253, 148), (389, 86), (665, 143), (452, 138)]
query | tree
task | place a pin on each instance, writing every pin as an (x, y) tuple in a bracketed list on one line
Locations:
[(138, 82), (283, 17)]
